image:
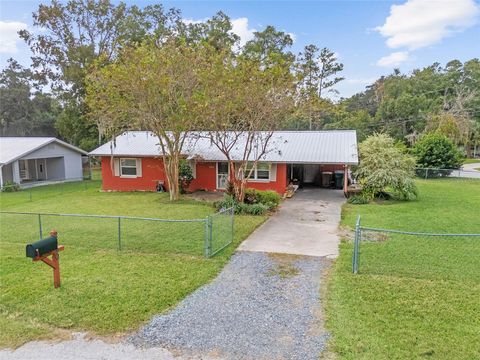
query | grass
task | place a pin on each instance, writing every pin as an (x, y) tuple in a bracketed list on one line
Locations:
[(471, 161), (104, 291), (414, 297)]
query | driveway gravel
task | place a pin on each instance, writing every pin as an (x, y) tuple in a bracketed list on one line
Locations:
[(260, 307)]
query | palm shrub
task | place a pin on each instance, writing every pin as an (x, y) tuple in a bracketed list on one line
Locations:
[(384, 166)]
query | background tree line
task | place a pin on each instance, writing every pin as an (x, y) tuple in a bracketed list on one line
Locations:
[(49, 98)]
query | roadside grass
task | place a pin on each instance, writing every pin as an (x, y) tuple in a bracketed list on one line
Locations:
[(104, 291), (471, 161), (414, 297)]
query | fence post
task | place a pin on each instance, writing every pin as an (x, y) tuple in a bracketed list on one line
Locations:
[(208, 236), (40, 226), (119, 233), (356, 245), (426, 174)]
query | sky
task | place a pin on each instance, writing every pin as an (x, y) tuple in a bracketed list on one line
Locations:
[(370, 38)]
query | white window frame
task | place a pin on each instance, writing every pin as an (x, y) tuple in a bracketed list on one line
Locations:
[(131, 167), (193, 165), (254, 176)]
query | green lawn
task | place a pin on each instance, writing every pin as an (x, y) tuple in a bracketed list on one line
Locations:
[(415, 297), (471, 161), (104, 291)]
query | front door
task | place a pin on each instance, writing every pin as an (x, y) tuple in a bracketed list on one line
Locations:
[(41, 169), (222, 175)]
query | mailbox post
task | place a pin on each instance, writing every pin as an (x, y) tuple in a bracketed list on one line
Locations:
[(43, 249)]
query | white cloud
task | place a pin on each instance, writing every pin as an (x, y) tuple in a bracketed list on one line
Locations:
[(240, 28), (293, 36), (191, 21), (9, 36), (394, 59), (419, 23)]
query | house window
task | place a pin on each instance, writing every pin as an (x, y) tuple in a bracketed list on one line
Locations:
[(261, 171), (128, 167)]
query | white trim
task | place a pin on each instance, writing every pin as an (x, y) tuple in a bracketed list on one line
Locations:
[(46, 172), (16, 172), (216, 174), (255, 175), (193, 165), (131, 167), (1, 176)]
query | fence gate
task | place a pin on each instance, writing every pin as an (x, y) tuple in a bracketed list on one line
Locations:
[(219, 231)]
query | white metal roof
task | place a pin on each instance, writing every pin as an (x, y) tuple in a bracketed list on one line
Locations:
[(14, 148), (315, 147)]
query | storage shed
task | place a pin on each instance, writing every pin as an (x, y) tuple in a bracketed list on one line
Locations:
[(30, 161)]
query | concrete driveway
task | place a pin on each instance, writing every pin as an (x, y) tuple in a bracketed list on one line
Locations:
[(306, 224)]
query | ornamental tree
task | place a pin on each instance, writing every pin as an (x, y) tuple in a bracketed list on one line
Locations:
[(245, 101), (157, 89), (383, 166)]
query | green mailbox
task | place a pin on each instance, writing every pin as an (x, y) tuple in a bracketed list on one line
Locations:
[(42, 247)]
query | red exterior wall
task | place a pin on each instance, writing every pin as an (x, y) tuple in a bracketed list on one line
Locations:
[(206, 177), (152, 171), (280, 185)]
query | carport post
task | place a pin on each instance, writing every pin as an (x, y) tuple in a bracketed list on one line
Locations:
[(345, 179)]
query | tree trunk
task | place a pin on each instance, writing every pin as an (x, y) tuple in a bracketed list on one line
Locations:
[(171, 171), (238, 184)]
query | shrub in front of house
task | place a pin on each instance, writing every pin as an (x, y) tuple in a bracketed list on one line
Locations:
[(229, 201), (269, 198), (10, 186)]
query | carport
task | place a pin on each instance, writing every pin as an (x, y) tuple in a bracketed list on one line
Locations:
[(329, 176)]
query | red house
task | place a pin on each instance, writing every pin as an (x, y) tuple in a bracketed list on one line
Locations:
[(303, 157)]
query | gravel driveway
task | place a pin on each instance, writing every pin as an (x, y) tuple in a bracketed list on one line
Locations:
[(260, 307)]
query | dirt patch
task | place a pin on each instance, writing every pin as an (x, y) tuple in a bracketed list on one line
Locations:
[(284, 265), (346, 234), (208, 196)]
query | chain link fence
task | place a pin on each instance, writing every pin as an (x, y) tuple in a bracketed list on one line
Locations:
[(415, 254), (207, 236), (16, 194), (430, 173)]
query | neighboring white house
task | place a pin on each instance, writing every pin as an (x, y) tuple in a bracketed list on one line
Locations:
[(30, 160)]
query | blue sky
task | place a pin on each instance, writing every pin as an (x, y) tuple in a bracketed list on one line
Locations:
[(370, 37)]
